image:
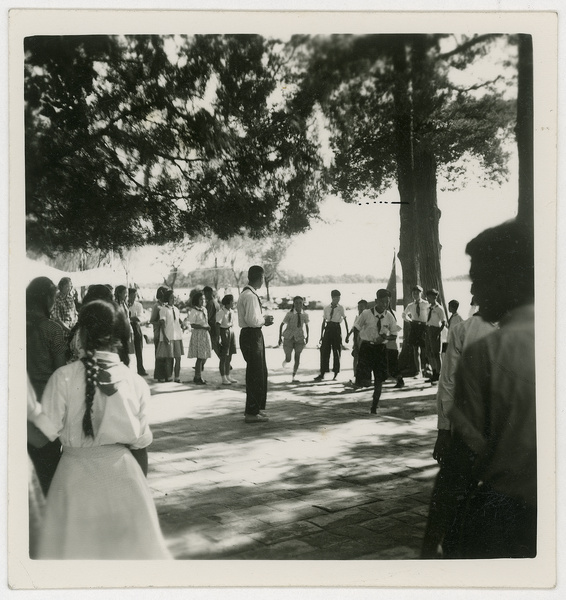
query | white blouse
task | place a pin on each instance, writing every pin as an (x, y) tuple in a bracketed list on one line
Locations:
[(116, 419), (171, 316)]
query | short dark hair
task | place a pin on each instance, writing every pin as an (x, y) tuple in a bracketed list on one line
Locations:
[(383, 293), (196, 297), (227, 299), (416, 288), (206, 289), (118, 290), (454, 303), (160, 291), (97, 291), (432, 292), (335, 293), (505, 254), (255, 272)]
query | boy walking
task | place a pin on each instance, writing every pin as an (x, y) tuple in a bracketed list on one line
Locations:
[(331, 336), (377, 326), (355, 331)]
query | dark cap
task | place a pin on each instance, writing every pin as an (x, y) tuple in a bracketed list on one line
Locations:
[(383, 293), (432, 292), (416, 288)]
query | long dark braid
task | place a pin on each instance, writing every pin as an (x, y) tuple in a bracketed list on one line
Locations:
[(91, 376), (102, 324)]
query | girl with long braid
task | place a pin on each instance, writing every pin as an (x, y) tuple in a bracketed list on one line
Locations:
[(99, 505)]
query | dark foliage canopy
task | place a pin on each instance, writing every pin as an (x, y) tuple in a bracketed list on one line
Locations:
[(144, 139)]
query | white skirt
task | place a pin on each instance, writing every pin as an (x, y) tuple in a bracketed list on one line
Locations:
[(99, 506)]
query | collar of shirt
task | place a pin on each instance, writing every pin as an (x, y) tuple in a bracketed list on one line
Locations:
[(254, 292)]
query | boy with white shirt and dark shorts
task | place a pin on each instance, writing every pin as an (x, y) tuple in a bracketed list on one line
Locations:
[(377, 326)]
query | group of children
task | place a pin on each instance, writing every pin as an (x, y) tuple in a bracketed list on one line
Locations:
[(211, 326), (375, 334), (211, 329)]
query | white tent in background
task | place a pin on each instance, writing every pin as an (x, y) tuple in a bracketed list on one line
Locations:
[(36, 268), (79, 278)]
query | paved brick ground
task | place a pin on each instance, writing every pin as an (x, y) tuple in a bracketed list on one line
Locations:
[(323, 479)]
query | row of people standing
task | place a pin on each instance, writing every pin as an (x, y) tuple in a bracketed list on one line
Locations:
[(209, 329), (426, 320)]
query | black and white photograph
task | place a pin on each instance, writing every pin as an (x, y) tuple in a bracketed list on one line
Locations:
[(276, 285)]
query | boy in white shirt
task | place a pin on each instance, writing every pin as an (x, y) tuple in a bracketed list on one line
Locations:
[(435, 323), (377, 326), (331, 336)]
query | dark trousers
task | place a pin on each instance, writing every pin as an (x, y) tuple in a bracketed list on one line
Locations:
[(393, 362), (331, 342), (492, 525), (372, 359), (253, 351), (433, 347), (138, 345)]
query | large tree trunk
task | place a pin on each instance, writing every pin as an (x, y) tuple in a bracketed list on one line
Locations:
[(524, 131), (405, 182), (428, 241), (405, 178)]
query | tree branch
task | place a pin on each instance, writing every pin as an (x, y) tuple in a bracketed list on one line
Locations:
[(477, 86), (467, 45)]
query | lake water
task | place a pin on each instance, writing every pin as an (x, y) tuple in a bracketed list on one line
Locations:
[(351, 293)]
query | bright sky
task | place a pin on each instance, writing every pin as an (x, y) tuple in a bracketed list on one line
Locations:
[(362, 238)]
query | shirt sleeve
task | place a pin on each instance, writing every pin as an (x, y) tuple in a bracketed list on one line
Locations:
[(446, 383), (146, 437), (287, 318), (154, 314), (306, 318), (393, 325), (57, 345), (37, 416), (471, 390), (53, 401)]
